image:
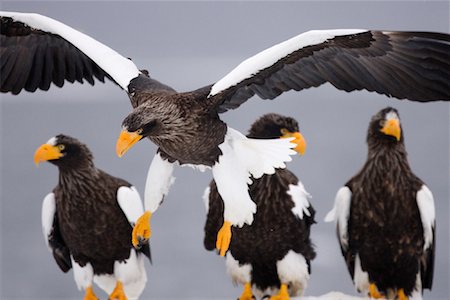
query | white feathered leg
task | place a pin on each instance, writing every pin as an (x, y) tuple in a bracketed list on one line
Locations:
[(84, 276), (293, 272), (131, 273)]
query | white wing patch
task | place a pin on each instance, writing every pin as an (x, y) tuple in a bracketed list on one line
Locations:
[(340, 214), (48, 215), (159, 180), (270, 56), (260, 156), (242, 157), (130, 203), (231, 178), (425, 201), (360, 277), (118, 67), (205, 197), (300, 198)]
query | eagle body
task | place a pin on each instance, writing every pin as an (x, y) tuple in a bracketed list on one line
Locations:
[(88, 220), (274, 232), (384, 225), (188, 132), (280, 231), (385, 218), (91, 223)]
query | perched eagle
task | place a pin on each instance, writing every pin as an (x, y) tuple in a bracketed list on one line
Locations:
[(87, 222), (386, 219), (275, 251), (37, 50)]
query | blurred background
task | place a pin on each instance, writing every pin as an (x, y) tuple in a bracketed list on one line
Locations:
[(188, 45)]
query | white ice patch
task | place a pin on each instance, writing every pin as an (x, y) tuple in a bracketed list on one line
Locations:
[(52, 141), (131, 273), (205, 197), (293, 271), (83, 275), (159, 180), (239, 273), (360, 277), (270, 56), (300, 198), (340, 214), (130, 203), (425, 201), (118, 67), (47, 215)]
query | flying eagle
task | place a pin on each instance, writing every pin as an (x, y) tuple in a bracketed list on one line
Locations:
[(386, 218), (275, 251), (37, 50), (87, 222)]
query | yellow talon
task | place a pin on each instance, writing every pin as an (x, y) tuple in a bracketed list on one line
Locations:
[(283, 293), (401, 295), (118, 293), (224, 238), (373, 292), (247, 294), (89, 295), (141, 231)]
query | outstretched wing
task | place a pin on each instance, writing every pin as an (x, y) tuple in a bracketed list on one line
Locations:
[(52, 235), (36, 50), (131, 204), (404, 65), (425, 202)]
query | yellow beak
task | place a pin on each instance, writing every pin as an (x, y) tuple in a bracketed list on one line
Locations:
[(392, 128), (299, 140), (125, 141), (46, 152)]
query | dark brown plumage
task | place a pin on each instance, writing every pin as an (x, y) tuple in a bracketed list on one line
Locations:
[(89, 223), (276, 229), (385, 223)]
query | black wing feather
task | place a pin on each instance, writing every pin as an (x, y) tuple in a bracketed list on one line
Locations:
[(214, 219), (427, 265), (59, 249), (404, 65), (32, 59)]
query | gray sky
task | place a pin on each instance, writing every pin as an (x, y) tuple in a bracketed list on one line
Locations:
[(189, 45)]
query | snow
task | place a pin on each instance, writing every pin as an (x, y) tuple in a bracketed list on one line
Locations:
[(268, 57), (118, 67), (331, 296)]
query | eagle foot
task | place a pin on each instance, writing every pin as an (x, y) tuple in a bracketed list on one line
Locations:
[(89, 295), (141, 231), (118, 293), (283, 293), (224, 238), (373, 292), (247, 293), (401, 295)]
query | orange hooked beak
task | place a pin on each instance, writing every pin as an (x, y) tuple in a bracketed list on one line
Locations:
[(299, 140), (392, 128), (125, 141), (46, 152)]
